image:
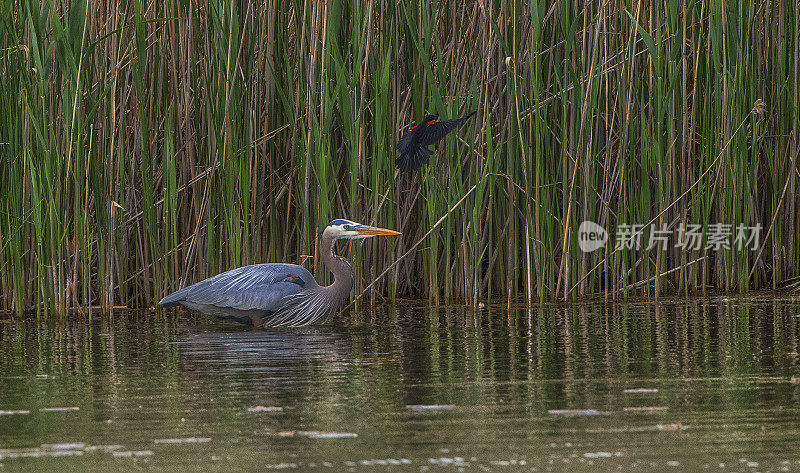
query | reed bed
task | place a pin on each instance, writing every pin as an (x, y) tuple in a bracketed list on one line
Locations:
[(148, 145)]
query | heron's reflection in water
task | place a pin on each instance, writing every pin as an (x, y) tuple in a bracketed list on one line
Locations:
[(273, 350), (288, 368)]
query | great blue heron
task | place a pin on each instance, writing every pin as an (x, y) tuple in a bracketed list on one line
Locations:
[(413, 146), (279, 294)]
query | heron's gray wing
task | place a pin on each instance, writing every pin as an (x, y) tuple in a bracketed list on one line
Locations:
[(259, 286)]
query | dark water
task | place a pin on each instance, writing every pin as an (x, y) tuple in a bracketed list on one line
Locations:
[(676, 386)]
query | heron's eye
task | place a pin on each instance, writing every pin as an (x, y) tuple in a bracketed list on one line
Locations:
[(347, 227)]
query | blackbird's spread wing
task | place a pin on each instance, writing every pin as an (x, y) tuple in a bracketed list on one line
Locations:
[(437, 130)]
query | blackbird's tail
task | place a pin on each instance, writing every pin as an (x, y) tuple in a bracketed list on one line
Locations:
[(413, 159)]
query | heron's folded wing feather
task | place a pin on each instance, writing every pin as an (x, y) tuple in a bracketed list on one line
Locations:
[(259, 286)]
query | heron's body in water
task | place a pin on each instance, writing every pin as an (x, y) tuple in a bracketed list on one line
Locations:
[(279, 294)]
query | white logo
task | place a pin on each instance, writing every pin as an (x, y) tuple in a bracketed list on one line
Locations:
[(591, 236)]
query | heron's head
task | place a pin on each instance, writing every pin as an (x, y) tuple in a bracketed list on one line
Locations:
[(430, 118), (348, 230)]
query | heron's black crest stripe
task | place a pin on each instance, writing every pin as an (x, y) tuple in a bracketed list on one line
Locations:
[(342, 221)]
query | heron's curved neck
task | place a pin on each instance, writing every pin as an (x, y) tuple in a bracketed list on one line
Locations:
[(341, 269)]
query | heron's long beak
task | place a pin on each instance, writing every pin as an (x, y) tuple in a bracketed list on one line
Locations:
[(371, 231)]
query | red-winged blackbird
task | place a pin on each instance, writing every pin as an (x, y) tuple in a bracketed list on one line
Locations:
[(413, 146)]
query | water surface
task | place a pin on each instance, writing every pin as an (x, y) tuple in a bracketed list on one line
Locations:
[(701, 385)]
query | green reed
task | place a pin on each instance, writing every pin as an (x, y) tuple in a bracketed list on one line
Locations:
[(149, 145)]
